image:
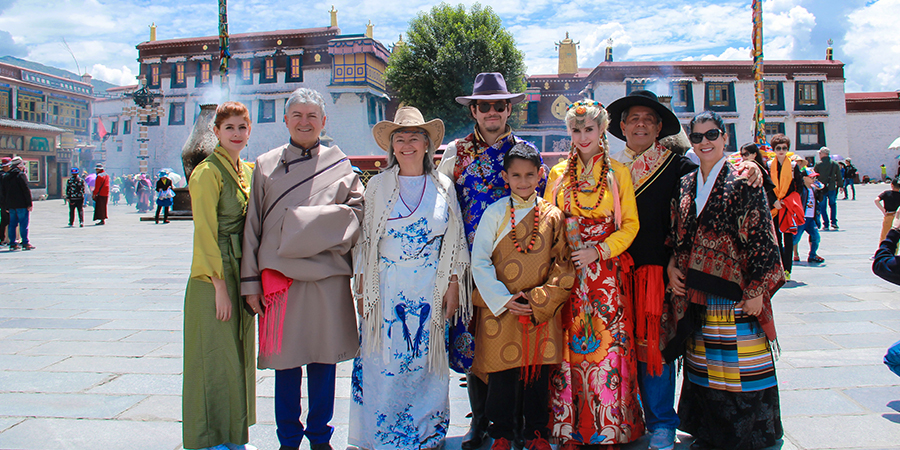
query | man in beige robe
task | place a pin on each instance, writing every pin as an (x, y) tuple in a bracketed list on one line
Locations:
[(303, 217)]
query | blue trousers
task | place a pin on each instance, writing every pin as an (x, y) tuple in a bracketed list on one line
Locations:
[(829, 200), (814, 238), (658, 397), (18, 218), (892, 358), (321, 404)]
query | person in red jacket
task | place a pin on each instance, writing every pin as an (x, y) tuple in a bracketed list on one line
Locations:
[(101, 195)]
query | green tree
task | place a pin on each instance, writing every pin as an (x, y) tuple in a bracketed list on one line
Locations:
[(443, 52)]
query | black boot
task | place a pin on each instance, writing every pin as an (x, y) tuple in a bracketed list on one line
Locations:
[(477, 389)]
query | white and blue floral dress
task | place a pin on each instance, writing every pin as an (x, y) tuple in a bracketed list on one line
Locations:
[(397, 402)]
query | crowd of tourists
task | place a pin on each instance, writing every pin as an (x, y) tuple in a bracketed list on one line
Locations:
[(568, 295)]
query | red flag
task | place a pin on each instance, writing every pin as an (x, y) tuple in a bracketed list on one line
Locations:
[(101, 130)]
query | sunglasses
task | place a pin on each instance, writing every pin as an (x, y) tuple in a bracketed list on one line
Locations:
[(498, 106), (710, 135)]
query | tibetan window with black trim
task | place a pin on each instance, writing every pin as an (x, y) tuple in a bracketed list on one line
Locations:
[(809, 96), (266, 111), (810, 135), (126, 126), (176, 114), (178, 80), (774, 95), (295, 68), (682, 96), (720, 96), (267, 72), (203, 75), (246, 71), (153, 78), (773, 128)]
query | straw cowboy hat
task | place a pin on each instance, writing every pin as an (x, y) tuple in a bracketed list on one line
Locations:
[(490, 86), (408, 117), (670, 124)]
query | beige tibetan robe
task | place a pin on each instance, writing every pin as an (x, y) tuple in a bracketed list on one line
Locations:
[(546, 274), (303, 217)]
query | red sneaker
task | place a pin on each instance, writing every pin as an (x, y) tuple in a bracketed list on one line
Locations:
[(500, 444)]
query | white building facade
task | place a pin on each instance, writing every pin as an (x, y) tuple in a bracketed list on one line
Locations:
[(263, 71)]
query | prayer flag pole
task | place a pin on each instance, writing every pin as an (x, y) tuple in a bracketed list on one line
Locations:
[(224, 53), (759, 120)]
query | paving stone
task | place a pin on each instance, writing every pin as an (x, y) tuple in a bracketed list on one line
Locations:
[(808, 329), (92, 434), (77, 406), (12, 347), (880, 340), (15, 313), (145, 384), (8, 422), (824, 402), (9, 333), (162, 336), (843, 431), (850, 316), (161, 316), (142, 324), (156, 408), (119, 365), (168, 351), (52, 323), (20, 381), (835, 377), (28, 363), (834, 358), (877, 399), (93, 348), (797, 343), (57, 334)]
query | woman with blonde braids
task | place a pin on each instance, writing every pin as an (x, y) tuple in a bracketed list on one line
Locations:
[(594, 391)]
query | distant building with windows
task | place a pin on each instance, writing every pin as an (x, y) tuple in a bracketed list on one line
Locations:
[(45, 119), (265, 67), (873, 123), (804, 99)]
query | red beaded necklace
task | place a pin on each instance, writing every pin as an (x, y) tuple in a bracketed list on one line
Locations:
[(512, 221), (576, 185)]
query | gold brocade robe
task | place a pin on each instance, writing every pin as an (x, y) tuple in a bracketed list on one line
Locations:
[(546, 274)]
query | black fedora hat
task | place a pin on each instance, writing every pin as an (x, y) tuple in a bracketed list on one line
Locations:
[(670, 123), (490, 86)]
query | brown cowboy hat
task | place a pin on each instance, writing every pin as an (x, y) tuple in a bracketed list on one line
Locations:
[(490, 86), (408, 117), (670, 123)]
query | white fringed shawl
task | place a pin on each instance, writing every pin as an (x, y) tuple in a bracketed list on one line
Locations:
[(382, 192)]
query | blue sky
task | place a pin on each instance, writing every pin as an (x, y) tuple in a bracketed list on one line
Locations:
[(103, 33)]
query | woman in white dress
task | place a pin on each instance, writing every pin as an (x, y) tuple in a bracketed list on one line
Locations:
[(409, 266)]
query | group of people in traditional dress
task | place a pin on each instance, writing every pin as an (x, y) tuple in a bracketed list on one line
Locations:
[(566, 294)]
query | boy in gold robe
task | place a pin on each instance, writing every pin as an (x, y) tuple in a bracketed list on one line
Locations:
[(523, 274)]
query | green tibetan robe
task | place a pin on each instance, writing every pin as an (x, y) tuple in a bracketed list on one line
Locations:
[(219, 396)]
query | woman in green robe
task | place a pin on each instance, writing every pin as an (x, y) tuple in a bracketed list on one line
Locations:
[(219, 395)]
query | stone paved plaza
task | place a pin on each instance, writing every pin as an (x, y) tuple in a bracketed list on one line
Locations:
[(91, 344)]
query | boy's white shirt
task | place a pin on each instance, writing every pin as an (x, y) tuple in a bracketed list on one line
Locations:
[(492, 228)]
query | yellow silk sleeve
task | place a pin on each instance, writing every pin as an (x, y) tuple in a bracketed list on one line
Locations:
[(205, 187), (620, 240)]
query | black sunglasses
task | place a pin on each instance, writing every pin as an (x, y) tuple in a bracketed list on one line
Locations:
[(498, 106), (710, 135)]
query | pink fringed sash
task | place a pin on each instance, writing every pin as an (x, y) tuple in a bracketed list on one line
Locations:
[(271, 325)]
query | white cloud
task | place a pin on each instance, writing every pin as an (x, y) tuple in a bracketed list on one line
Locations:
[(121, 77), (875, 45), (787, 28), (103, 33)]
